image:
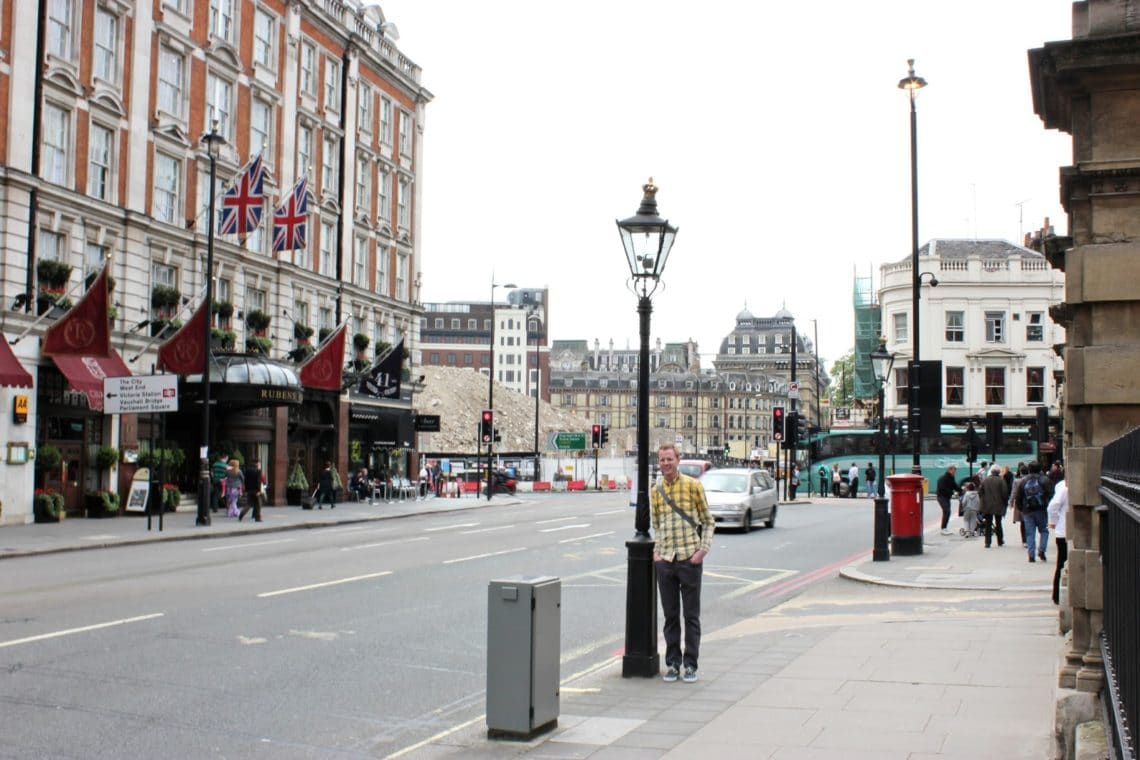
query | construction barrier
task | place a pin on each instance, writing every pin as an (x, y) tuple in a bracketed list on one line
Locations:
[(541, 485)]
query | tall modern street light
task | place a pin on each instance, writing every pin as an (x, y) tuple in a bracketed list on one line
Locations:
[(881, 361), (491, 390), (537, 391), (214, 143), (912, 84), (647, 239)]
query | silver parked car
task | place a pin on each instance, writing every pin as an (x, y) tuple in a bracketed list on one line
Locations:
[(739, 497)]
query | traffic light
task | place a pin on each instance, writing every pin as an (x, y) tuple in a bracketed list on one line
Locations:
[(791, 428), (487, 426), (892, 433), (777, 423), (801, 430), (596, 436), (971, 443), (993, 432), (498, 438), (605, 434), (1042, 427)]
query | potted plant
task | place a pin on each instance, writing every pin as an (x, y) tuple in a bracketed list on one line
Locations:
[(164, 297), (296, 486), (224, 310), (48, 458), (101, 504), (163, 326), (48, 505), (106, 457), (53, 274), (255, 344), (301, 353), (223, 339), (171, 496), (360, 342), (382, 347), (302, 332), (323, 333), (257, 321)]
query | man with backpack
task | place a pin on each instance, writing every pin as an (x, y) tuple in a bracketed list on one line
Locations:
[(1032, 499)]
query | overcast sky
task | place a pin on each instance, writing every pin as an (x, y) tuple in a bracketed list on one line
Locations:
[(775, 131)]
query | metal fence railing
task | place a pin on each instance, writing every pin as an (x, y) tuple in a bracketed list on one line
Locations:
[(1120, 555)]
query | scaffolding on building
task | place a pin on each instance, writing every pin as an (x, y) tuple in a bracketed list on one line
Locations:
[(868, 328)]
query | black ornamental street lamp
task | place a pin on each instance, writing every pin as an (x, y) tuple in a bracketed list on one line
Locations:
[(214, 143), (537, 390), (912, 84), (881, 361), (647, 239)]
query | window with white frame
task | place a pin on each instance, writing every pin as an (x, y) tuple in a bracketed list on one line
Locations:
[(101, 154), (224, 293), (902, 385), (309, 68), (404, 204), (105, 46), (357, 325), (328, 240), (304, 150), (405, 133), (364, 108), (52, 246), (61, 28), (219, 105), (329, 158), (178, 5), (332, 84), (93, 257), (165, 276), (255, 241), (301, 309), (360, 262), (56, 144), (303, 256), (261, 127), (385, 120), (455, 323), (222, 19), (171, 79), (1035, 385), (1035, 326), (382, 274), (898, 324), (167, 187), (995, 386), (995, 327), (383, 197), (955, 386), (402, 275), (264, 38), (363, 183), (955, 327)]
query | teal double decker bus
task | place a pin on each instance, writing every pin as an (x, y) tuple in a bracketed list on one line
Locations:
[(844, 447)]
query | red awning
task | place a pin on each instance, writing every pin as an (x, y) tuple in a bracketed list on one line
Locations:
[(85, 374), (12, 373)]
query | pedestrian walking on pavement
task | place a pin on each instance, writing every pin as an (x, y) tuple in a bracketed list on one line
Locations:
[(835, 478), (944, 489), (1033, 501), (254, 484), (853, 481), (823, 480), (683, 528), (218, 476), (1058, 510), (326, 490), (1014, 493), (234, 486), (994, 498), (869, 478)]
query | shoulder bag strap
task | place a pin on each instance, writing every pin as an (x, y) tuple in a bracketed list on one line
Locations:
[(684, 515)]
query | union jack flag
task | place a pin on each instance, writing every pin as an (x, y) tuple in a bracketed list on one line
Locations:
[(290, 220), (242, 204)]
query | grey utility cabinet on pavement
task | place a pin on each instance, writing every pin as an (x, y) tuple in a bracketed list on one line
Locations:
[(524, 630)]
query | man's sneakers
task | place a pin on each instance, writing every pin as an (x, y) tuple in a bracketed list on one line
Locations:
[(946, 531), (672, 674)]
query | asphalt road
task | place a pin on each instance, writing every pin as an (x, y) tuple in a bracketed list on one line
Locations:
[(348, 641)]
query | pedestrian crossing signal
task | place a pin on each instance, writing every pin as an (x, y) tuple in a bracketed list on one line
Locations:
[(487, 426), (778, 424)]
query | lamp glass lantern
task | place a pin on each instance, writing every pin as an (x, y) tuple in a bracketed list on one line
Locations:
[(646, 237), (881, 362)]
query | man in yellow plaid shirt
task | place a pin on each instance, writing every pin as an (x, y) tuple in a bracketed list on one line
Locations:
[(683, 531)]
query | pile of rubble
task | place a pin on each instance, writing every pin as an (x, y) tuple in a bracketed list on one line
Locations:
[(459, 395)]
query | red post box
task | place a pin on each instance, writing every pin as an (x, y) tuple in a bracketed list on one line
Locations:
[(906, 514)]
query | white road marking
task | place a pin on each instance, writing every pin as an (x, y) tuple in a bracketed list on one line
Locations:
[(228, 547), (565, 527), (778, 575), (324, 584), (557, 519), (486, 530), (451, 527), (389, 542), (83, 629), (612, 512), (484, 556), (583, 538)]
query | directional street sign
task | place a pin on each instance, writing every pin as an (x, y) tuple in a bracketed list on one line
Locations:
[(140, 394), (567, 441)]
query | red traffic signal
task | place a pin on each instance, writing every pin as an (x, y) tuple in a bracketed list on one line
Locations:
[(596, 436), (778, 423), (487, 426)]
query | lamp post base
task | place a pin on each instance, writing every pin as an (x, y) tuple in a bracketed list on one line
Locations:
[(882, 530), (204, 486), (641, 658)]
